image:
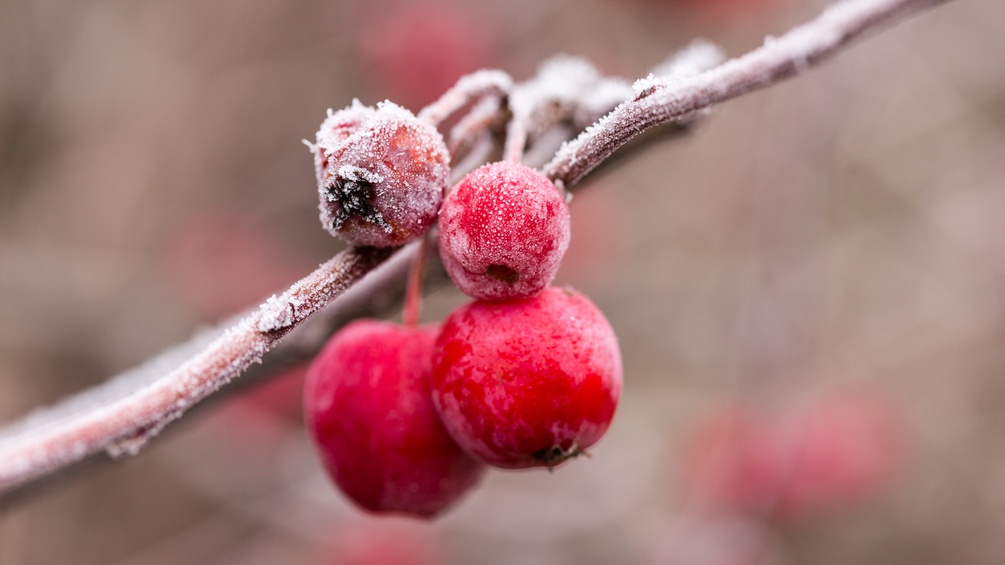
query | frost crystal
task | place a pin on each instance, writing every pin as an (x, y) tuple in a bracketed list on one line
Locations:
[(699, 56), (351, 192)]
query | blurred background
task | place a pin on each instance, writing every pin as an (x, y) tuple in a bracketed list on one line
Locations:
[(809, 289)]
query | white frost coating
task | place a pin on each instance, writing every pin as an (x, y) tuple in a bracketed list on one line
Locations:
[(605, 96), (699, 56), (474, 124), (381, 174), (121, 416), (791, 53), (116, 388), (276, 314), (550, 97), (648, 83), (359, 173), (561, 79), (485, 82)]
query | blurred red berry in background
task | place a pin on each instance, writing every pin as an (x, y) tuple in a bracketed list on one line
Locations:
[(414, 51), (812, 456), (383, 542), (221, 263)]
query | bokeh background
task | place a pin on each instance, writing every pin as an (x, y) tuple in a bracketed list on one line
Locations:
[(839, 235)]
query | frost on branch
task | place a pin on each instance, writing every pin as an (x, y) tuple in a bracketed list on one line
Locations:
[(120, 416), (777, 59), (570, 90), (699, 56), (477, 85)]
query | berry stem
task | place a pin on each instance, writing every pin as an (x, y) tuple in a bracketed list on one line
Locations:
[(413, 292), (516, 136), (479, 84)]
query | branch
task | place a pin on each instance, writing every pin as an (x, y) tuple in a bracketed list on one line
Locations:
[(659, 100), (83, 427)]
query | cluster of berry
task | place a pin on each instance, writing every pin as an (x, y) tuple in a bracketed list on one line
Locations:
[(407, 417)]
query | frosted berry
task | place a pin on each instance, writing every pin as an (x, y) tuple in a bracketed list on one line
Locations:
[(381, 174), (503, 230), (527, 383), (369, 412)]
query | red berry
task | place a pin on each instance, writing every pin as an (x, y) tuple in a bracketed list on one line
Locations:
[(369, 412), (527, 383), (503, 231), (381, 174), (843, 446), (384, 542), (734, 459), (414, 51), (806, 459)]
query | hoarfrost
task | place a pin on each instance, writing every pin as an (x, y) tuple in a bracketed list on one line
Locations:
[(381, 174), (699, 56), (276, 314)]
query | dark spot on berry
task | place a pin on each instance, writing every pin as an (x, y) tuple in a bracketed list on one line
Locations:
[(503, 273), (353, 197), (554, 455)]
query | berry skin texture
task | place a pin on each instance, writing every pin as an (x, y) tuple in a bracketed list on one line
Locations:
[(368, 409), (381, 174), (527, 383), (503, 231)]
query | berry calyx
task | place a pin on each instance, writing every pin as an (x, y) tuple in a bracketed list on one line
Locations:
[(381, 174), (503, 231), (527, 383), (368, 409)]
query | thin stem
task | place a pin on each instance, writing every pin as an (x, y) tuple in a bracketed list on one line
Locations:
[(413, 293), (659, 101), (516, 133), (485, 116), (467, 89)]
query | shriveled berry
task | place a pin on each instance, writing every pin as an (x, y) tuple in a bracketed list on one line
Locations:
[(527, 383), (369, 412), (503, 231), (381, 174)]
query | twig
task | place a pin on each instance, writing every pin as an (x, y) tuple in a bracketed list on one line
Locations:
[(561, 86), (484, 83), (660, 101), (486, 116)]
